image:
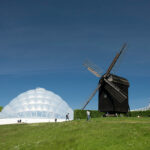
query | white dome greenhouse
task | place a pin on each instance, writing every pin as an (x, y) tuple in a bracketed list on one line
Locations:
[(37, 105)]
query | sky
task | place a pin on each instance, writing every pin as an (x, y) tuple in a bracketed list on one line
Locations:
[(44, 44)]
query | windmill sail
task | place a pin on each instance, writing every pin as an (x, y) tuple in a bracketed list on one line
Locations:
[(94, 69), (92, 95), (119, 61), (115, 60)]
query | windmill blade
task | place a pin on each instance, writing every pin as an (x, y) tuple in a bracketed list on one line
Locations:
[(94, 72), (119, 61), (92, 95), (114, 91), (94, 69), (115, 59)]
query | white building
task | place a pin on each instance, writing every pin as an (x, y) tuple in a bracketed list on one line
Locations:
[(38, 105)]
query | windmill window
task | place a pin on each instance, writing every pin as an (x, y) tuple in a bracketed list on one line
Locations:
[(105, 95)]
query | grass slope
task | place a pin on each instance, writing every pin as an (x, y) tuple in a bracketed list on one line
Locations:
[(97, 134)]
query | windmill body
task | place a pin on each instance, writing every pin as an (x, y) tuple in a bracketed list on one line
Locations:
[(113, 90), (112, 100)]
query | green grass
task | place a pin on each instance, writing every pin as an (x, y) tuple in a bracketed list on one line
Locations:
[(97, 134)]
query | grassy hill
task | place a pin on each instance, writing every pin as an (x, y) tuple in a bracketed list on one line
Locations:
[(97, 134)]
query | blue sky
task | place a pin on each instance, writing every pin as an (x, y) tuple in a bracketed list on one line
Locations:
[(44, 43)]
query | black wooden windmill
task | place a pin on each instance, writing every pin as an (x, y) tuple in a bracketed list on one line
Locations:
[(113, 90)]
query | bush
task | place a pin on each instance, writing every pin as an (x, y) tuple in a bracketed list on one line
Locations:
[(1, 108), (140, 113), (81, 114)]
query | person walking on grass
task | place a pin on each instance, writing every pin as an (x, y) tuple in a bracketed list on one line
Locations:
[(88, 115), (67, 117)]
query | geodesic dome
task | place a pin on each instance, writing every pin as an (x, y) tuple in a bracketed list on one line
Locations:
[(37, 103)]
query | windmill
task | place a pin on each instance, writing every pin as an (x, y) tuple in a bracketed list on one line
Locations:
[(113, 90)]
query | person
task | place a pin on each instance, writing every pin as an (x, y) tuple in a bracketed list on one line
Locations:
[(19, 121), (104, 115), (67, 117), (55, 119), (88, 115)]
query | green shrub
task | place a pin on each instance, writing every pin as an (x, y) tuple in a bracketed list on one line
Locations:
[(1, 108), (81, 114), (140, 113)]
